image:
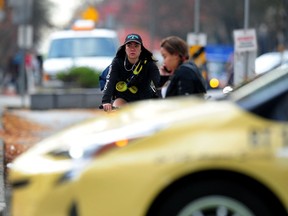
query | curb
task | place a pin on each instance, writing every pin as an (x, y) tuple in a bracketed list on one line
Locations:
[(3, 191)]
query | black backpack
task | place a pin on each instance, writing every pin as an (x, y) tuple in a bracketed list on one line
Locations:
[(102, 77)]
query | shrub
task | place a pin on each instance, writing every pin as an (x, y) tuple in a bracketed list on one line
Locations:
[(84, 77)]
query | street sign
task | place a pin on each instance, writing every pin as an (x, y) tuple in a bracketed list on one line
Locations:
[(196, 43), (91, 13), (25, 36), (196, 39), (245, 47), (245, 40), (197, 53)]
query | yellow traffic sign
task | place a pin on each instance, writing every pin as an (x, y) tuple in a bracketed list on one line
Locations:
[(197, 53), (91, 13)]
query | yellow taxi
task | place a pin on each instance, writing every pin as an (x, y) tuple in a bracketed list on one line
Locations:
[(174, 157)]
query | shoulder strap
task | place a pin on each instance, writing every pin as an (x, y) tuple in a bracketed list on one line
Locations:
[(139, 67), (136, 72)]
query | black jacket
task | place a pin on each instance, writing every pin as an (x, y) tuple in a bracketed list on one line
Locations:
[(186, 80), (142, 81)]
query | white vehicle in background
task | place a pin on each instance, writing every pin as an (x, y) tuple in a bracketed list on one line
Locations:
[(270, 60), (72, 48)]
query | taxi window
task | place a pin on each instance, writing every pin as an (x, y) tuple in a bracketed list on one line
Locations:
[(82, 47), (265, 95), (280, 109)]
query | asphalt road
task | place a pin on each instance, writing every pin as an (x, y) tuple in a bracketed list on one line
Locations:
[(54, 118)]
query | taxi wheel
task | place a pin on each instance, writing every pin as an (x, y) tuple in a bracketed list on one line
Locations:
[(214, 198)]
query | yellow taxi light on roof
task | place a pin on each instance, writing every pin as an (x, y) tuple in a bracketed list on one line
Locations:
[(83, 25)]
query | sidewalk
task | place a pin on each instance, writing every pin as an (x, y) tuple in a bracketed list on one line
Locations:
[(55, 118), (14, 101)]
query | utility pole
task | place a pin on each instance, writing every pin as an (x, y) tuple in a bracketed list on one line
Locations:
[(197, 41), (245, 50), (246, 14), (22, 15), (246, 24), (152, 23), (196, 16)]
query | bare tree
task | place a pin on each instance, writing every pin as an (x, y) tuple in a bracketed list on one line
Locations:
[(41, 18)]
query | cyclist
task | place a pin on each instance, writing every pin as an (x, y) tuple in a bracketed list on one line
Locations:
[(133, 75)]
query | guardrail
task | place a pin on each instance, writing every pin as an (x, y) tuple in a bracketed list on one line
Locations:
[(63, 99)]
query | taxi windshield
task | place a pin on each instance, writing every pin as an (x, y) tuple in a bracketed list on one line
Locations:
[(82, 47)]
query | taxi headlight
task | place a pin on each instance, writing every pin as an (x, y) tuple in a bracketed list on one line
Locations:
[(98, 144)]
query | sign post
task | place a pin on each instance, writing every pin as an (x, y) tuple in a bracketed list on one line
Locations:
[(245, 46), (197, 41)]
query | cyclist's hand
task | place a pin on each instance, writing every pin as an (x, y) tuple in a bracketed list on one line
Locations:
[(107, 107)]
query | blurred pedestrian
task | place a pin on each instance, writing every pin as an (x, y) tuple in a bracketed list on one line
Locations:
[(230, 70), (132, 72), (11, 77), (179, 74), (30, 71), (39, 58)]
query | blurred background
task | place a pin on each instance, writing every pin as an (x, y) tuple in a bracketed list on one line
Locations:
[(153, 19)]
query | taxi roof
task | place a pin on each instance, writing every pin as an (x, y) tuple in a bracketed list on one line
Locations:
[(83, 33)]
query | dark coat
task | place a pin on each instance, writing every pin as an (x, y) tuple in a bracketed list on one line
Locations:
[(149, 73), (186, 80)]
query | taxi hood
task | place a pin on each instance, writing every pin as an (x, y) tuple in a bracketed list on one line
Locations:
[(135, 117)]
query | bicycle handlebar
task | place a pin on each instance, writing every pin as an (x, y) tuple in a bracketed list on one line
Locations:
[(113, 107)]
